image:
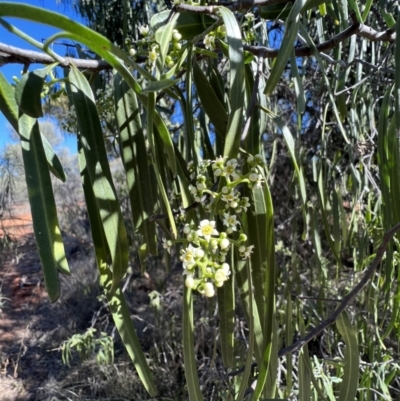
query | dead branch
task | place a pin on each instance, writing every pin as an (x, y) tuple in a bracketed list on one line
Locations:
[(349, 297)]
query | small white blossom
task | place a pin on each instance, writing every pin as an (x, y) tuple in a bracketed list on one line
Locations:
[(144, 30), (247, 252), (230, 167), (187, 257), (230, 220), (244, 203), (167, 244), (186, 229), (209, 42), (206, 229)]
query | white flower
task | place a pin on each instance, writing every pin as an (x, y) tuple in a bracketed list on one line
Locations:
[(187, 257), (230, 197), (230, 166), (144, 30), (230, 220), (209, 42), (209, 290), (206, 229), (167, 244), (244, 203), (247, 252)]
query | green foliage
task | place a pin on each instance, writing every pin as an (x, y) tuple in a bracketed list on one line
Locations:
[(268, 190), (87, 344)]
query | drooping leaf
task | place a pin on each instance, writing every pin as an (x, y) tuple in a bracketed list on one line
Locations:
[(43, 207), (349, 385), (214, 109), (135, 160), (116, 300), (9, 107), (236, 83), (29, 90), (100, 174), (291, 31)]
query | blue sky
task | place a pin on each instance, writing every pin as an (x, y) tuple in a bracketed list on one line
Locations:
[(39, 32)]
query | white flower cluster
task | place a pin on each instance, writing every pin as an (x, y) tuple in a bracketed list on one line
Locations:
[(205, 249), (204, 259), (148, 45)]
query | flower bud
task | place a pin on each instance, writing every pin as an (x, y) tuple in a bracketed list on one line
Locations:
[(186, 229), (199, 253), (189, 282), (220, 275), (209, 290), (253, 177), (224, 243), (242, 237), (225, 267)]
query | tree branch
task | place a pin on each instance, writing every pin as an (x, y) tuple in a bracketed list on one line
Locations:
[(346, 300), (356, 29), (15, 55)]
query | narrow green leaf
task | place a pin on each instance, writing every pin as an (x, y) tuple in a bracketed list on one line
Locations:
[(9, 107), (291, 147), (212, 106), (43, 207), (29, 90), (163, 37), (116, 301), (188, 25), (226, 312), (236, 83), (116, 57), (291, 31), (135, 160), (156, 86), (349, 385), (192, 377), (266, 258), (100, 174)]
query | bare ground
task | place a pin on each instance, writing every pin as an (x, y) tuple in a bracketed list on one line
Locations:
[(32, 329)]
